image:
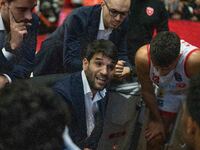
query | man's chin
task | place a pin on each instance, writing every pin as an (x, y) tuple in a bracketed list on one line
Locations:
[(115, 26), (99, 87)]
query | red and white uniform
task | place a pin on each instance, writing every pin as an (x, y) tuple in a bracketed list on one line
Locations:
[(171, 88)]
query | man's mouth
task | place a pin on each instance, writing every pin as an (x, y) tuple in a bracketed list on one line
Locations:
[(101, 80)]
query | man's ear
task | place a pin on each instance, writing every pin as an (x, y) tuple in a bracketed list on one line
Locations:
[(85, 63), (2, 3), (102, 3)]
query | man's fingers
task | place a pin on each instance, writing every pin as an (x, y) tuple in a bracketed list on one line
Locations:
[(119, 67), (121, 62), (12, 20), (23, 33)]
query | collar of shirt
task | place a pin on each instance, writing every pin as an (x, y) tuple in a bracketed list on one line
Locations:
[(87, 90), (2, 27), (101, 25)]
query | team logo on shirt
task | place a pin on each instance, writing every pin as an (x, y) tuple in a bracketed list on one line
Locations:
[(149, 11), (178, 77), (180, 85)]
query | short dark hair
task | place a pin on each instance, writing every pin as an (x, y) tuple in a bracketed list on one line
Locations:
[(193, 99), (31, 118), (165, 48), (106, 47)]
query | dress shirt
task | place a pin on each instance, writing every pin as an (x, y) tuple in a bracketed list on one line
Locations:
[(7, 54), (103, 33), (91, 106)]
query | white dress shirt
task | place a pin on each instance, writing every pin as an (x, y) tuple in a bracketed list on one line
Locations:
[(91, 106), (103, 33)]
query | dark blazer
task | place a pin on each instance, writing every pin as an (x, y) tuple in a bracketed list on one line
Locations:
[(22, 64), (61, 51), (71, 89), (81, 29)]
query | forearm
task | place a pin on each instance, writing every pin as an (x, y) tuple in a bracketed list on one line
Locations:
[(24, 63), (151, 103)]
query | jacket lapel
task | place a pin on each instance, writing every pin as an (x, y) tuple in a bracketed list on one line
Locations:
[(93, 26), (78, 101)]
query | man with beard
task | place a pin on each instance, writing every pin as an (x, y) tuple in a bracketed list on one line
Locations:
[(60, 52), (86, 94), (18, 31)]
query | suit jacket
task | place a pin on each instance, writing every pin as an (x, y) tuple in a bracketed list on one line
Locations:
[(82, 28), (71, 89), (78, 29), (21, 65)]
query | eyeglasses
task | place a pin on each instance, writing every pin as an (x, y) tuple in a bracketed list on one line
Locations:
[(115, 13)]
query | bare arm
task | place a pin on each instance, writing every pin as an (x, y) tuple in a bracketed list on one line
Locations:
[(147, 90), (193, 64)]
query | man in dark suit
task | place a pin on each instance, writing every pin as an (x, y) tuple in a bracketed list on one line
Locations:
[(86, 94), (82, 26), (18, 32)]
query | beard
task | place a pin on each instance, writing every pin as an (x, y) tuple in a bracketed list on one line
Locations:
[(91, 81)]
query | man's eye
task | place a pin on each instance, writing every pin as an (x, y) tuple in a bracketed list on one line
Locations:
[(111, 67), (114, 11), (98, 64)]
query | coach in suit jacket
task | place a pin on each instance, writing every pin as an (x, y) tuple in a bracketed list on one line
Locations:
[(86, 94), (82, 26), (18, 32)]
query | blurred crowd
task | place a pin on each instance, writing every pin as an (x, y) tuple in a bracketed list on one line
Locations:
[(49, 10), (183, 9)]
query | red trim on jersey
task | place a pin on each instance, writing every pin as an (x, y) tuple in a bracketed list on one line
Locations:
[(188, 55), (167, 114), (148, 55)]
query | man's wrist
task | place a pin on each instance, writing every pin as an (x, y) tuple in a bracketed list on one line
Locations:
[(10, 49), (4, 79), (132, 71), (8, 46)]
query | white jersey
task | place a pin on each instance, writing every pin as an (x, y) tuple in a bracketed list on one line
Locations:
[(171, 88)]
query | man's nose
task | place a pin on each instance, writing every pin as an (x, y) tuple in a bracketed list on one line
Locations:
[(104, 70), (118, 17), (28, 15)]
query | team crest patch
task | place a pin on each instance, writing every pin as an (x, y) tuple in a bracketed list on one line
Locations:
[(149, 11), (180, 85), (178, 77)]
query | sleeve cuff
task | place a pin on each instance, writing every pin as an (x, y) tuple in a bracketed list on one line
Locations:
[(7, 54), (9, 79)]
